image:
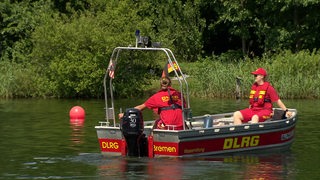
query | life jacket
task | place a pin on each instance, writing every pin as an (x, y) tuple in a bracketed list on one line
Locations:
[(258, 98), (172, 102)]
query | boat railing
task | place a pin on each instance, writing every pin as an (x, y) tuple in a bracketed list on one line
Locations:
[(104, 123), (226, 119), (171, 60)]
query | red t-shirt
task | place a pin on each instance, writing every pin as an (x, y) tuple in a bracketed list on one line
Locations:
[(162, 99)]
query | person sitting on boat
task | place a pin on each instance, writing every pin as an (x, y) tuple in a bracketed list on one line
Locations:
[(167, 104), (262, 95)]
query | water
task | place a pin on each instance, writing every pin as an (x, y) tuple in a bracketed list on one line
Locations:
[(38, 142)]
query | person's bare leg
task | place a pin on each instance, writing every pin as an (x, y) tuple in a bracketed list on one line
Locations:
[(237, 118), (255, 119)]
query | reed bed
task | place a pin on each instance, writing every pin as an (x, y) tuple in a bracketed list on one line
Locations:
[(20, 80), (294, 75)]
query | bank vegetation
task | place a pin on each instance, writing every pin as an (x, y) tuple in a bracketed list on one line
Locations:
[(61, 49)]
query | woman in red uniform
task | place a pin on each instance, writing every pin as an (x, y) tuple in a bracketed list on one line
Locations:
[(167, 104), (262, 95)]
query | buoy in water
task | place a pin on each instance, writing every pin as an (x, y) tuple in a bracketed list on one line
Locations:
[(77, 115)]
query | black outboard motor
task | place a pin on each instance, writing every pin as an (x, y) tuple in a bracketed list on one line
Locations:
[(132, 130)]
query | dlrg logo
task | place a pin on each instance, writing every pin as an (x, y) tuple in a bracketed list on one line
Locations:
[(110, 145)]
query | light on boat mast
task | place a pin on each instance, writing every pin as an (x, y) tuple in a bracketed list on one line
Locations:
[(138, 38)]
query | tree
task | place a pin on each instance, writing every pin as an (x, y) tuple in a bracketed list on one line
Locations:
[(18, 20), (179, 26), (74, 51), (266, 26)]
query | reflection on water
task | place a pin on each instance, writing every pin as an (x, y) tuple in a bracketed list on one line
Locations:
[(39, 142), (77, 133), (245, 166), (270, 166)]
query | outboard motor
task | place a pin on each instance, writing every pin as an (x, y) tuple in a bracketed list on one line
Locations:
[(132, 130)]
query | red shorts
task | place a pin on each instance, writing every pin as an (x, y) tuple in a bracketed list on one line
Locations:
[(263, 114)]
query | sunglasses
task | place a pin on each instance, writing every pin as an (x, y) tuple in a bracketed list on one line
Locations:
[(164, 83)]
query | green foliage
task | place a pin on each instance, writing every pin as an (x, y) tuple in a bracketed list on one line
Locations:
[(215, 78), (263, 26), (134, 72), (61, 48), (294, 75), (18, 20), (19, 80), (75, 51), (178, 25)]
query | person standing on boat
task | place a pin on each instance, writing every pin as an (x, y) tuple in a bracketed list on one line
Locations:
[(167, 104), (262, 95)]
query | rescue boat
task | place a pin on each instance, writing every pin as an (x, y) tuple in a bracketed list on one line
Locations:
[(204, 135)]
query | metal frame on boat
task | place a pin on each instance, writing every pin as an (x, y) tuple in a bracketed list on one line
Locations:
[(201, 136)]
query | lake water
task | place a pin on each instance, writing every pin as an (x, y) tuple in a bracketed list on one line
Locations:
[(38, 142)]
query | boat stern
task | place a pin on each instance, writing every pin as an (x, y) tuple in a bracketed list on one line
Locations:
[(110, 140)]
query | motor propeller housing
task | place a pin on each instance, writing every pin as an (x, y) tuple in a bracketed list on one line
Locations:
[(132, 129)]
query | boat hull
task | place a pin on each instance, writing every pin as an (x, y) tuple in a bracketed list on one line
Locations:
[(203, 141)]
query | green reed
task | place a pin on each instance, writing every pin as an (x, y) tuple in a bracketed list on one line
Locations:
[(20, 80), (293, 75), (6, 79)]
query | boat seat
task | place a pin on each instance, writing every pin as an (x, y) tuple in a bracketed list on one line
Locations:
[(216, 122), (278, 115)]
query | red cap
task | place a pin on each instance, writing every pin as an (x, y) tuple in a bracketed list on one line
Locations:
[(260, 71)]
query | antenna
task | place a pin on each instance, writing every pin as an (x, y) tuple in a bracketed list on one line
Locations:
[(138, 39), (145, 41)]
